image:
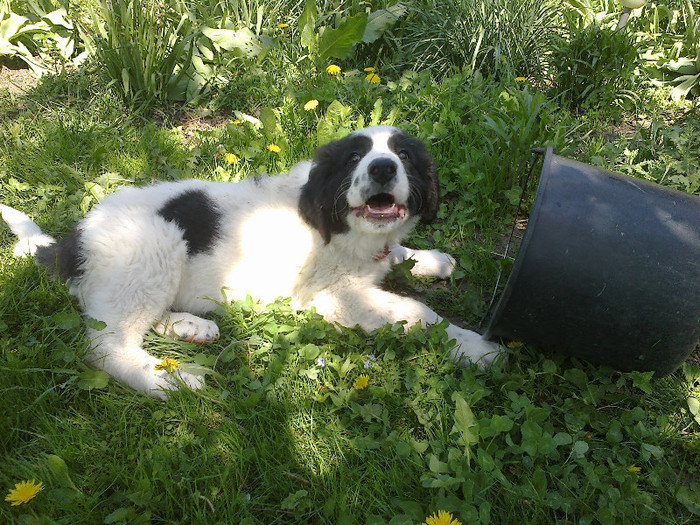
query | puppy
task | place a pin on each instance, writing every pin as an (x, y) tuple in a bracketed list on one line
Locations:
[(325, 234)]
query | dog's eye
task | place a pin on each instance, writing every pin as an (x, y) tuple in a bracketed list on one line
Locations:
[(403, 154), (355, 157)]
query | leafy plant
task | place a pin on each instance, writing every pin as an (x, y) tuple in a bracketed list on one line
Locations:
[(579, 14), (521, 119), (595, 66), (220, 49), (324, 40), (41, 38), (158, 52), (146, 49), (664, 153), (680, 66), (281, 434)]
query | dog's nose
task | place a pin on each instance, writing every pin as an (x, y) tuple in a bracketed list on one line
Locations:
[(382, 171)]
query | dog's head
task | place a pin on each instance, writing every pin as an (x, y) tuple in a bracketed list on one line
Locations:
[(375, 179)]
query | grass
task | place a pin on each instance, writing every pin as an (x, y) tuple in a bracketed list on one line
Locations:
[(506, 38), (278, 438)]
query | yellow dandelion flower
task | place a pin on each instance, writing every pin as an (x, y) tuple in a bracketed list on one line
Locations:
[(520, 79), (168, 364), (232, 158), (634, 468), (333, 69), (24, 492), (274, 148), (311, 104), (369, 69), (372, 78), (514, 344), (441, 517), (361, 382), (282, 26), (236, 121)]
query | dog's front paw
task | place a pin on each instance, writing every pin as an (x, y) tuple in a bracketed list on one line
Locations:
[(471, 347), (433, 263), (164, 381), (188, 327), (427, 263)]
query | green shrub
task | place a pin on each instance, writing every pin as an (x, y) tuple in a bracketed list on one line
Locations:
[(492, 36), (594, 67), (145, 48)]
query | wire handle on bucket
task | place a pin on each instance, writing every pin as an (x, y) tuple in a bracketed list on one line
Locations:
[(538, 152)]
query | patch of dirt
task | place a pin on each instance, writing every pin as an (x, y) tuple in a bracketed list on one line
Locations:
[(16, 77), (191, 120), (630, 126), (627, 129)]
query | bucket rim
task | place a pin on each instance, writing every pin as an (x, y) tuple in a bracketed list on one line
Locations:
[(533, 218)]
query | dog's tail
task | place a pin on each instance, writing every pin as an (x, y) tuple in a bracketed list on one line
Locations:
[(28, 232)]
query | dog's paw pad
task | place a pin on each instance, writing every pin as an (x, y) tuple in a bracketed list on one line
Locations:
[(201, 332), (188, 327)]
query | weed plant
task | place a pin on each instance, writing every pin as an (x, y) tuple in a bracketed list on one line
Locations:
[(495, 37), (146, 49), (595, 66)]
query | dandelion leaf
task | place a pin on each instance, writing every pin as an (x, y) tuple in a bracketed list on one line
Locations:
[(270, 123), (334, 123), (379, 21), (59, 469), (689, 496), (93, 379), (307, 26), (694, 406), (465, 423)]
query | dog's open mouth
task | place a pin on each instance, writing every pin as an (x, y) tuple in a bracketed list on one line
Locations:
[(381, 207)]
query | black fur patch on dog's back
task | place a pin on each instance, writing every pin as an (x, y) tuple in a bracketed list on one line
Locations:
[(64, 258), (196, 215)]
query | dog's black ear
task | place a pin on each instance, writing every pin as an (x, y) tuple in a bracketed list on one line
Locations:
[(321, 204), (426, 166), (425, 198)]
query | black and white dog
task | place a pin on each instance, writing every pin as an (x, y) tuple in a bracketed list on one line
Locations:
[(325, 234)]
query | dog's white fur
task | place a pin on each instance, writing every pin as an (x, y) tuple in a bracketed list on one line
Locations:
[(137, 273)]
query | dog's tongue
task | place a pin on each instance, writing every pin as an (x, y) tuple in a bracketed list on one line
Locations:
[(382, 211)]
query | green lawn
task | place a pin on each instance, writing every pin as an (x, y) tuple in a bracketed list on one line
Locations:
[(281, 434)]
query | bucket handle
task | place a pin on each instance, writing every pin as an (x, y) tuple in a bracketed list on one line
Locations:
[(537, 152)]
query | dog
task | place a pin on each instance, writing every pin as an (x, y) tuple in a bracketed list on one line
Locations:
[(325, 234)]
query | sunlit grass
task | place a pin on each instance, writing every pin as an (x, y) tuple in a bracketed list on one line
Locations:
[(279, 436)]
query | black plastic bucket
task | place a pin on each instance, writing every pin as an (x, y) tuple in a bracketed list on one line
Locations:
[(608, 271)]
